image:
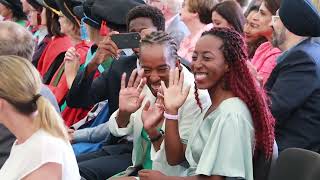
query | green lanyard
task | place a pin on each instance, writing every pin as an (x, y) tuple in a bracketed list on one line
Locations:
[(147, 162)]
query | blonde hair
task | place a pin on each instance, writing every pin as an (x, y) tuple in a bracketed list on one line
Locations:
[(20, 85)]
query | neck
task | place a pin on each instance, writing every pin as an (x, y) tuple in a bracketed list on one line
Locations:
[(218, 94), (9, 16), (168, 16), (195, 26), (75, 40), (291, 41), (20, 126)]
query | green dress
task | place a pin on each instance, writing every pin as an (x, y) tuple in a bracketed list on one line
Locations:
[(222, 143)]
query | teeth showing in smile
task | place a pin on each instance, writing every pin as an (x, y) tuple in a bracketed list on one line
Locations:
[(200, 76)]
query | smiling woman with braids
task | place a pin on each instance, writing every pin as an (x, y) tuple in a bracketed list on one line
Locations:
[(158, 55), (236, 127)]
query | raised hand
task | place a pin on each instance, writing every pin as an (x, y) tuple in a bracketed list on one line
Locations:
[(130, 97), (72, 64), (174, 95), (106, 48), (152, 115)]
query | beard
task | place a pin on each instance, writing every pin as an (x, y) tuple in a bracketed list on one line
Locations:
[(278, 38)]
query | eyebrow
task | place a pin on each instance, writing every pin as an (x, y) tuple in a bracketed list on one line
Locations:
[(160, 66), (208, 52)]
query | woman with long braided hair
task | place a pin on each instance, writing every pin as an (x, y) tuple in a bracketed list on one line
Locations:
[(236, 127)]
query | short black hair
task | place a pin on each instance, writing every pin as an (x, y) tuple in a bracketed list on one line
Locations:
[(150, 12)]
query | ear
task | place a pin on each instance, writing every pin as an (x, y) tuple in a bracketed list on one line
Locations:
[(178, 64), (226, 67), (2, 104), (195, 15)]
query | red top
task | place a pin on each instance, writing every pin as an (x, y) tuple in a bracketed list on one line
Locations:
[(61, 89), (55, 47)]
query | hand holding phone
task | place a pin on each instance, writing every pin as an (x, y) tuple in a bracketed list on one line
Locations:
[(126, 40)]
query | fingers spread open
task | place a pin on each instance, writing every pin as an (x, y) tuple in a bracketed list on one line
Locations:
[(137, 80), (147, 106), (141, 98), (123, 80), (171, 77), (163, 87), (132, 78), (141, 85), (181, 80), (176, 76)]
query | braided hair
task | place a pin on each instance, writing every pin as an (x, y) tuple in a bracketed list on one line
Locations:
[(163, 38), (240, 81)]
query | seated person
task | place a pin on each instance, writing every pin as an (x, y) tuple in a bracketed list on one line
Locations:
[(158, 56), (264, 59), (11, 35), (42, 148), (237, 125), (228, 14), (294, 85), (251, 32)]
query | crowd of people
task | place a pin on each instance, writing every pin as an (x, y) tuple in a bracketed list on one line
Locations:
[(214, 89)]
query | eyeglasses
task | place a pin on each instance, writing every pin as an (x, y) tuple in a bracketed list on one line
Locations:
[(274, 18)]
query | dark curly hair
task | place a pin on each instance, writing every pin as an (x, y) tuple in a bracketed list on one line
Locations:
[(240, 81), (150, 12)]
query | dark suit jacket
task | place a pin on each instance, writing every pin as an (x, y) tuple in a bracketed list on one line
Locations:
[(294, 90), (86, 92)]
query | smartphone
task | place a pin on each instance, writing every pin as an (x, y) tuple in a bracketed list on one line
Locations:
[(126, 40)]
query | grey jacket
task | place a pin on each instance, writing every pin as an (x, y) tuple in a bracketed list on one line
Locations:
[(177, 29)]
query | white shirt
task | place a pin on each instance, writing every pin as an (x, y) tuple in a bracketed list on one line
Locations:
[(39, 149), (187, 114)]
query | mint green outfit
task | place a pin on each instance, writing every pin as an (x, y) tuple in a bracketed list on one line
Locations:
[(187, 115), (222, 143), (22, 22)]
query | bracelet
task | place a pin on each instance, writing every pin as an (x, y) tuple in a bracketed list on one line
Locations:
[(158, 137), (170, 116)]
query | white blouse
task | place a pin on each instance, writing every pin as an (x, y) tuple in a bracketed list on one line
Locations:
[(39, 149)]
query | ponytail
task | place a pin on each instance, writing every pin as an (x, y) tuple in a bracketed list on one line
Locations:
[(20, 85), (49, 120)]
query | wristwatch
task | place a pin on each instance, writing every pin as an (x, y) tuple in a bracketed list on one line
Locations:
[(157, 137)]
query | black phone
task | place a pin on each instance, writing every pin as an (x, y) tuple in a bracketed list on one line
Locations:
[(126, 40)]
